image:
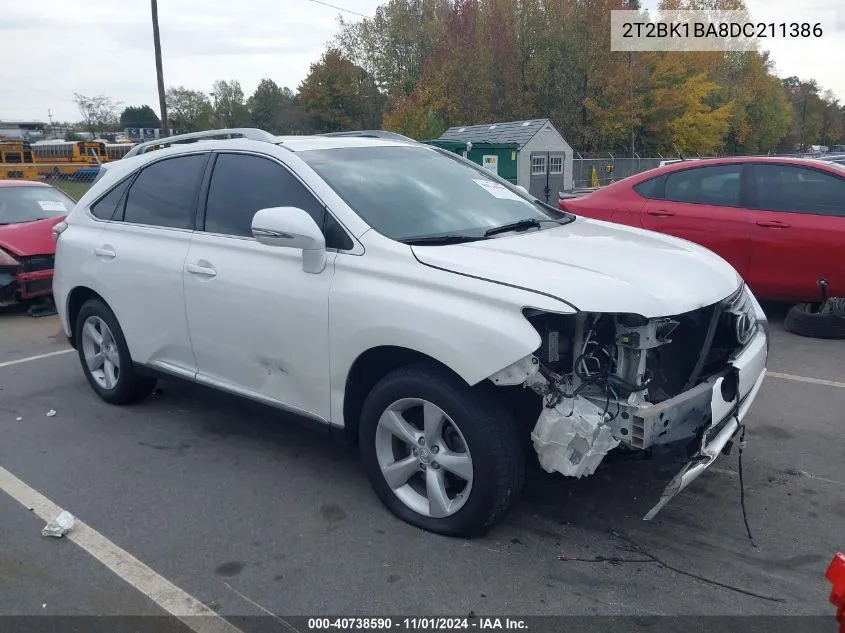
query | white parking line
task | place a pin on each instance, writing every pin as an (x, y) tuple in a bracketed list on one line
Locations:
[(157, 588), (812, 381), (9, 363)]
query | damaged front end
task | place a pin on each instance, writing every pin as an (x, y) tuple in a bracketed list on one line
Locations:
[(24, 278), (676, 386)]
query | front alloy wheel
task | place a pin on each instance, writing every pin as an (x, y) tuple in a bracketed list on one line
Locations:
[(424, 457), (441, 455)]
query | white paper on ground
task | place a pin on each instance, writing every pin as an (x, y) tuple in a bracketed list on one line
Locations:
[(59, 526)]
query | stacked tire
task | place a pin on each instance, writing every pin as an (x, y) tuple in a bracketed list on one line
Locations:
[(826, 320)]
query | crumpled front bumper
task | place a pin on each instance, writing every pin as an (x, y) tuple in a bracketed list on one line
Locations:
[(727, 415), (20, 286)]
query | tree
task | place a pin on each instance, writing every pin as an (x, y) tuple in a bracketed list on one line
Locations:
[(139, 116), (98, 113), (276, 109), (229, 107), (338, 95), (189, 110), (449, 62)]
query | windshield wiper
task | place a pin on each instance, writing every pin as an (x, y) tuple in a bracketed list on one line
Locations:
[(435, 240), (519, 225)]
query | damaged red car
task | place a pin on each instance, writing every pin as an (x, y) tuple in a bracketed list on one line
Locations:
[(28, 212)]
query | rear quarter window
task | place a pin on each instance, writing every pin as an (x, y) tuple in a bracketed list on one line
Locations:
[(651, 188), (105, 207)]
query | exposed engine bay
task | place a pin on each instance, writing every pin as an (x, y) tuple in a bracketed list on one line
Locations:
[(622, 380)]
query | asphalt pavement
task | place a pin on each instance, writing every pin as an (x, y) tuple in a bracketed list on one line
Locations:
[(253, 515)]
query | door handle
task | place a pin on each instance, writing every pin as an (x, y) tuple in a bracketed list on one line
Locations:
[(203, 271), (660, 213), (105, 251), (773, 224)]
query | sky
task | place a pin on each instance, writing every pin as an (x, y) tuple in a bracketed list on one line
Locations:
[(92, 47)]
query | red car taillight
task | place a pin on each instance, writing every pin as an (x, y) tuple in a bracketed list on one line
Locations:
[(7, 260), (58, 229)]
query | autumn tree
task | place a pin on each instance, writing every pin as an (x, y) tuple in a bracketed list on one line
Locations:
[(449, 62), (190, 110), (339, 95), (394, 45)]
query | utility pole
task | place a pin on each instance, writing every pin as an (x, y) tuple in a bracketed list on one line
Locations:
[(162, 102), (803, 119)]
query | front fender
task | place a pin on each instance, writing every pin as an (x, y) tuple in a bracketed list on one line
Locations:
[(475, 327)]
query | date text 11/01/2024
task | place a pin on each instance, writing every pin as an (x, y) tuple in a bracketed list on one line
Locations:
[(684, 30), (417, 624)]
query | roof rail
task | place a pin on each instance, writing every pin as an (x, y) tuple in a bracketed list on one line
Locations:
[(250, 133), (373, 134)]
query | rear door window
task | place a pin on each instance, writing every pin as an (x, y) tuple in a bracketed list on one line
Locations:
[(717, 185), (165, 193), (794, 189)]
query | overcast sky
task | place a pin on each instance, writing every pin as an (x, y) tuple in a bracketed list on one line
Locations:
[(59, 47)]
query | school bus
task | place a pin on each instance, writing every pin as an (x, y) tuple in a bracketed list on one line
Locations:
[(116, 151), (70, 152), (19, 160)]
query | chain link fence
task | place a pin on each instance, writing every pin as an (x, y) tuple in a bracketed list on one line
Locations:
[(75, 185), (600, 171)]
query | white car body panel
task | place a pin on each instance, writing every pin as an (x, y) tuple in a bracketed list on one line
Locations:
[(597, 267), (260, 324), (472, 326), (146, 265)]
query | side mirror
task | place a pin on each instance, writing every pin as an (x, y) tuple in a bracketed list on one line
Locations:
[(292, 227)]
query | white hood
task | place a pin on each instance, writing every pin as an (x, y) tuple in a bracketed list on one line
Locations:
[(597, 267)]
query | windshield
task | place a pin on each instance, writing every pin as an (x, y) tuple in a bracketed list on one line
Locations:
[(28, 204), (408, 193)]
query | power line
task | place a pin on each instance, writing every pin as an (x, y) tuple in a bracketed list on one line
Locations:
[(333, 6)]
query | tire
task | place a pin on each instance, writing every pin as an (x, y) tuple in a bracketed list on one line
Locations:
[(485, 430), (826, 321), (126, 386)]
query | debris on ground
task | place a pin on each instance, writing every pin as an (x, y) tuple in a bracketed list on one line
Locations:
[(59, 526), (51, 413), (18, 419)]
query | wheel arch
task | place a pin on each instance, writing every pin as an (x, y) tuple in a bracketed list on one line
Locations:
[(368, 369), (75, 300)]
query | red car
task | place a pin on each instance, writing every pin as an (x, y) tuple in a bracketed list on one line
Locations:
[(779, 221), (28, 212)]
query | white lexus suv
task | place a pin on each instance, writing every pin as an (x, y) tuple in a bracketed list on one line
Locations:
[(443, 319)]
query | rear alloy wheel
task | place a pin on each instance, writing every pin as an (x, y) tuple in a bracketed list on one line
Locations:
[(440, 455), (100, 352), (105, 356)]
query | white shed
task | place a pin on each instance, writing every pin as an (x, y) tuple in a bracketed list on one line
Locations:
[(544, 159)]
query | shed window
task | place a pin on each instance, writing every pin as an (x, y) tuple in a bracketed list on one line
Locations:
[(538, 165), (556, 164)]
